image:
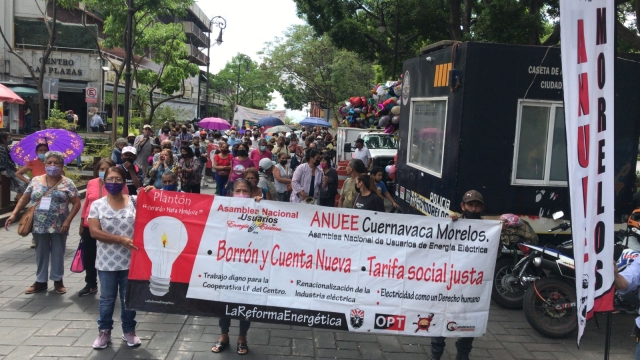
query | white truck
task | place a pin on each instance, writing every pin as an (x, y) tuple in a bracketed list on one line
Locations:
[(383, 147)]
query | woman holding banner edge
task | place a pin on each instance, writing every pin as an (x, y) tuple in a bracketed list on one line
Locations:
[(243, 189)]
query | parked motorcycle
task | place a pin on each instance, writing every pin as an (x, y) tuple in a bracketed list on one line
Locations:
[(550, 301), (507, 291)]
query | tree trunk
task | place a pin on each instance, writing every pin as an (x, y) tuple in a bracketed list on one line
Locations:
[(114, 103), (534, 31), (466, 20), (454, 20)]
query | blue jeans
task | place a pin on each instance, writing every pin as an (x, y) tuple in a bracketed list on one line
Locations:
[(110, 283), (221, 182), (638, 352)]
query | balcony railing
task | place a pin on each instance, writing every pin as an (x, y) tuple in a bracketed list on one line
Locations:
[(197, 57), (197, 36), (200, 15)]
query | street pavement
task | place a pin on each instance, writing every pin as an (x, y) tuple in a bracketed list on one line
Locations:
[(51, 326)]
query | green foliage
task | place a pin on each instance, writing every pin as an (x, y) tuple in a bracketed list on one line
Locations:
[(34, 32), (164, 113), (74, 175), (56, 118), (311, 68), (244, 80)]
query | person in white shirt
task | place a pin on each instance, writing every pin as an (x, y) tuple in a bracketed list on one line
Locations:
[(96, 122), (362, 153)]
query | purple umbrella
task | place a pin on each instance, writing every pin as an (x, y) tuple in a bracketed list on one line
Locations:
[(64, 141), (213, 123)]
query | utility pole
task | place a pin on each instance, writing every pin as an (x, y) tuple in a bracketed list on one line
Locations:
[(128, 84)]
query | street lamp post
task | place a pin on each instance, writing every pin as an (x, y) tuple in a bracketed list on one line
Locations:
[(221, 24), (382, 27), (127, 74)]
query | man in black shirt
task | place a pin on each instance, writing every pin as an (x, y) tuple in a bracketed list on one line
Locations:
[(472, 205)]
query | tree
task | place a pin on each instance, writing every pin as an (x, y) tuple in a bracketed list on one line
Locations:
[(243, 82), (411, 24), (146, 14), (311, 68), (168, 42), (49, 10)]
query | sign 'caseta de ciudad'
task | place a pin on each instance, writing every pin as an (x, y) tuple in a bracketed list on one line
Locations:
[(587, 67), (298, 264)]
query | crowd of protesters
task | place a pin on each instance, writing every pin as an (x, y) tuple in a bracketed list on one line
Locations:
[(251, 163)]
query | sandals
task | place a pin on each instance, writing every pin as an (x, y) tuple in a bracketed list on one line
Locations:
[(219, 347), (242, 349)]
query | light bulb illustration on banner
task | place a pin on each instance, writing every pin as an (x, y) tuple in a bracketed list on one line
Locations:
[(164, 239)]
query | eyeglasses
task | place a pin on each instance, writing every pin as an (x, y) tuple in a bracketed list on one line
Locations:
[(114, 180)]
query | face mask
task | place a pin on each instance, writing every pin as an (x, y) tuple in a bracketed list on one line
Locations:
[(146, 135), (53, 170), (41, 157), (166, 132), (9, 141), (242, 152), (233, 137), (225, 151), (184, 130), (172, 187), (316, 163), (324, 166), (263, 148), (114, 188), (238, 195), (471, 215), (283, 162), (125, 159), (101, 175)]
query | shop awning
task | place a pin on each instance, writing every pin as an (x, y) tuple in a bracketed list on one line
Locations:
[(24, 92)]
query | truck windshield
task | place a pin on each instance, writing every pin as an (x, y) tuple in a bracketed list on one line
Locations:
[(380, 141)]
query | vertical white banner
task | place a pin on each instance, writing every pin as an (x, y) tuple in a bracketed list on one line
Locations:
[(588, 55)]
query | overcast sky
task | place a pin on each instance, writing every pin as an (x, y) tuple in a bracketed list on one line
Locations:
[(250, 23)]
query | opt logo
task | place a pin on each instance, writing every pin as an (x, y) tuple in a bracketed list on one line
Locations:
[(390, 322)]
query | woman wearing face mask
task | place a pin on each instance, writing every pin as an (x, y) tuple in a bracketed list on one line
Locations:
[(368, 197), (307, 179), (37, 168), (51, 220), (282, 176), (164, 135), (241, 189), (329, 183), (111, 221), (189, 169), (264, 180), (164, 165), (95, 191), (222, 165), (9, 167), (239, 164), (252, 176)]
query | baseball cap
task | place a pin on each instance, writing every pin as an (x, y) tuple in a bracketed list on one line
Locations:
[(131, 134), (147, 126), (472, 195), (265, 164), (129, 149)]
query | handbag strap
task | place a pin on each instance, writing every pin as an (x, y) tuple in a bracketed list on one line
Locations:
[(49, 191)]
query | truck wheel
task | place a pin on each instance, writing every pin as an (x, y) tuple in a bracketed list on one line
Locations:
[(540, 307), (505, 291)]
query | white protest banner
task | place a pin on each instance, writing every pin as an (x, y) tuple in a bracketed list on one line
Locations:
[(308, 265), (587, 33)]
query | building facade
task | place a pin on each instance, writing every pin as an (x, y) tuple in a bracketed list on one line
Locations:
[(77, 63)]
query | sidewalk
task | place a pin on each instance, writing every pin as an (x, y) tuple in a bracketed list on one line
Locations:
[(51, 326)]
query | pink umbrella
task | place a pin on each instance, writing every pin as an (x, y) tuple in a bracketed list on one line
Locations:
[(6, 95), (212, 123)]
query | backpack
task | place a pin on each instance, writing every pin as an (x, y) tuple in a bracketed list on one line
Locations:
[(521, 234)]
